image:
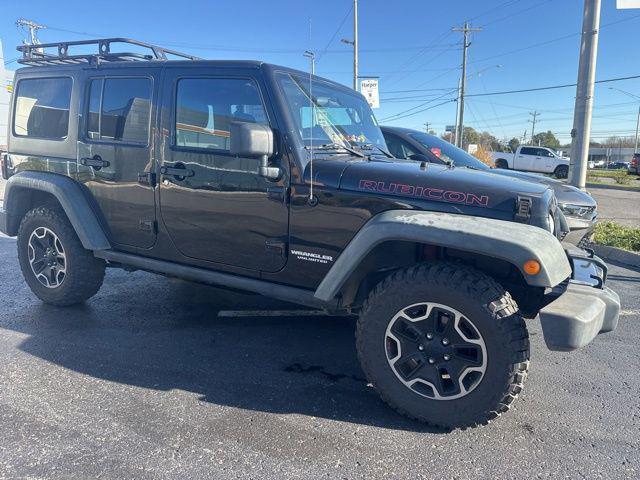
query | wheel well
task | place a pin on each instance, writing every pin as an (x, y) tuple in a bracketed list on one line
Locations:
[(23, 200), (390, 256), (501, 161)]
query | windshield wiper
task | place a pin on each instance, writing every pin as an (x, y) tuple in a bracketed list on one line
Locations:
[(370, 146), (337, 146)]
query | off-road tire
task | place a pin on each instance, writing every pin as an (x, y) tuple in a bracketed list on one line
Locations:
[(561, 171), (84, 273), (479, 298), (501, 163)]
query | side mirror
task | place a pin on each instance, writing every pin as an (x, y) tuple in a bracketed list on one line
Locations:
[(254, 140)]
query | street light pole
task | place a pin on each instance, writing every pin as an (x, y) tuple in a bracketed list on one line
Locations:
[(581, 131)]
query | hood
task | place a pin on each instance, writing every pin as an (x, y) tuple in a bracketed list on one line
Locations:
[(566, 194), (439, 183)]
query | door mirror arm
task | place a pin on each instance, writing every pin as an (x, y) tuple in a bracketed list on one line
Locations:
[(267, 171)]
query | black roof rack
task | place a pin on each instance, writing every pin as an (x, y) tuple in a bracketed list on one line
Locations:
[(37, 55)]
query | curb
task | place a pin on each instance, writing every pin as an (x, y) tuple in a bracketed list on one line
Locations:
[(617, 255)]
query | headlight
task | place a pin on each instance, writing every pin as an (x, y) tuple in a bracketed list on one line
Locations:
[(552, 224), (575, 210)]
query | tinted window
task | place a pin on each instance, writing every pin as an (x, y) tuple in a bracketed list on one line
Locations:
[(398, 147), (42, 108), (447, 151), (119, 110), (206, 106), (528, 151)]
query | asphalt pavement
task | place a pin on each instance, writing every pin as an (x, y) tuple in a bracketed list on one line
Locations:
[(146, 380), (622, 206)]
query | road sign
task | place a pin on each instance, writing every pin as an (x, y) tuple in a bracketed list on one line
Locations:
[(621, 4), (369, 88), (450, 128)]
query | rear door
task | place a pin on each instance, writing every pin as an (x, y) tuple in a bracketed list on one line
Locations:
[(525, 158), (115, 154)]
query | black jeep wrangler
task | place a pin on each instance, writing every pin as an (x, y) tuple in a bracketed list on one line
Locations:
[(257, 177)]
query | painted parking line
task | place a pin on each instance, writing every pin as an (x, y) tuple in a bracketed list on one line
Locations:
[(272, 313)]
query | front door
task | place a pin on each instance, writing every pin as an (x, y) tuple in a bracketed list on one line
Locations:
[(220, 210), (115, 153)]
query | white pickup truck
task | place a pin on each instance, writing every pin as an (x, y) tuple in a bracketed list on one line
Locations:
[(533, 159)]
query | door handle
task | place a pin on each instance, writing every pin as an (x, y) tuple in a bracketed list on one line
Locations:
[(179, 171), (96, 162)]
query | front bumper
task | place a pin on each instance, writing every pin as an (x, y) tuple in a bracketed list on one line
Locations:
[(583, 308)]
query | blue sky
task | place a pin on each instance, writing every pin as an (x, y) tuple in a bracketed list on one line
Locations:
[(407, 43)]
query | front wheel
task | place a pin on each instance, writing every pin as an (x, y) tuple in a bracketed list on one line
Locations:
[(561, 172), (443, 344)]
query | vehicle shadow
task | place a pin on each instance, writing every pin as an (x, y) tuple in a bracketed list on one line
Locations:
[(163, 334)]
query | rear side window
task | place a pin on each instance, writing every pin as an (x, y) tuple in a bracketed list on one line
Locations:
[(528, 151), (119, 110), (206, 106), (42, 108)]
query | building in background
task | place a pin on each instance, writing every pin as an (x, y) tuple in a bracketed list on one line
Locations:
[(6, 87)]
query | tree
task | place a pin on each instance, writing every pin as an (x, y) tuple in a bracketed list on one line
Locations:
[(514, 143), (619, 142), (546, 139)]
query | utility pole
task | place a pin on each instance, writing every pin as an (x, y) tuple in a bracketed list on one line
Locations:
[(581, 131), (533, 126), (426, 126), (466, 29), (635, 150), (524, 137), (33, 30)]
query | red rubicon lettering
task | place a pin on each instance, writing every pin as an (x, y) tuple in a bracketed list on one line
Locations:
[(418, 191)]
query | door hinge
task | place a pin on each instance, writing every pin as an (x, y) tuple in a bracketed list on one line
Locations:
[(276, 246), (147, 178), (149, 226)]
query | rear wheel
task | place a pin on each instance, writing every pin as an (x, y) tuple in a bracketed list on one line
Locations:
[(53, 261), (502, 163), (443, 344), (561, 171)]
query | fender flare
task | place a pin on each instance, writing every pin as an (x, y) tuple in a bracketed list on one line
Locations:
[(512, 242), (71, 197)]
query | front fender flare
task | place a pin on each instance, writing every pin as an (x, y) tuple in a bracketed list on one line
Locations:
[(509, 241), (71, 198)]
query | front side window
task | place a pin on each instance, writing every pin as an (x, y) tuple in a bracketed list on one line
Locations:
[(119, 110), (42, 108), (205, 107)]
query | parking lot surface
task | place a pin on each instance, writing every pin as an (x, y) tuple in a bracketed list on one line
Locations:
[(622, 206), (147, 381)]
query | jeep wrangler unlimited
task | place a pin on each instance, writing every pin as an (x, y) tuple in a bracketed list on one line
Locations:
[(257, 177)]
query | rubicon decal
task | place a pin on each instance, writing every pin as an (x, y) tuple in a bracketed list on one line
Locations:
[(428, 193), (311, 257)]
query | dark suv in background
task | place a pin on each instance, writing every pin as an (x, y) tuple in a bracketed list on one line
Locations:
[(261, 178), (579, 208)]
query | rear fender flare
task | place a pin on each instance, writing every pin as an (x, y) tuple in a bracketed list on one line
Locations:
[(68, 193)]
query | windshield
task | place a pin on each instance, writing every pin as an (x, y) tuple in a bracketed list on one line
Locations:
[(335, 116), (447, 151)]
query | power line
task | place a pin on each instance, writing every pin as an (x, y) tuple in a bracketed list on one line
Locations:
[(402, 114), (335, 34), (393, 119)]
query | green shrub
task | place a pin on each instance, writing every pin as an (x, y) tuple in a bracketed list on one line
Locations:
[(621, 177), (613, 234)]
